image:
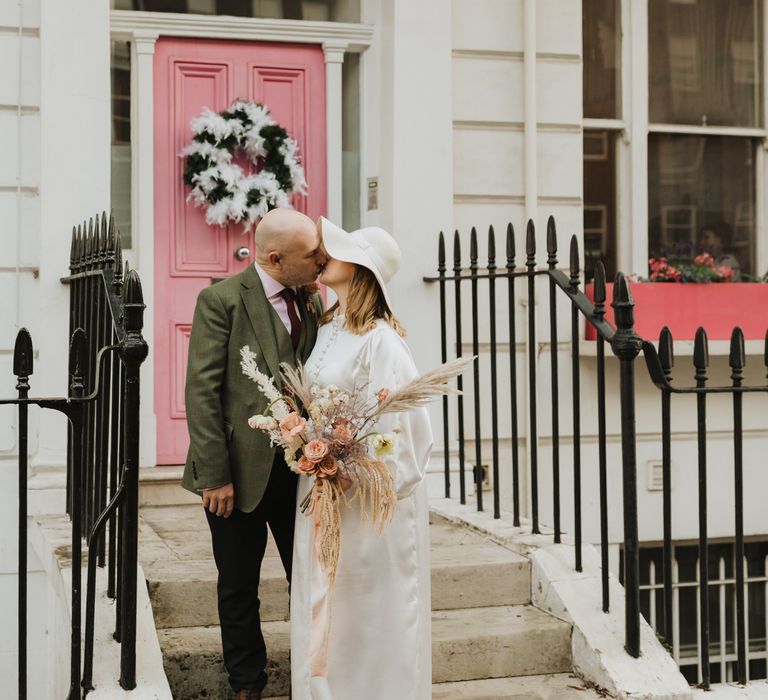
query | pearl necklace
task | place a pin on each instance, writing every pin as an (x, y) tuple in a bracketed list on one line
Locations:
[(336, 324)]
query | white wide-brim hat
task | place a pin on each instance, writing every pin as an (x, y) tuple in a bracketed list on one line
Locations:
[(372, 247)]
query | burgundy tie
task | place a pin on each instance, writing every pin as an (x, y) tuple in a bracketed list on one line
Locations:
[(290, 300)]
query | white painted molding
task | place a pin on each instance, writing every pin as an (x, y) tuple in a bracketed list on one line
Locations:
[(126, 25), (334, 58), (707, 130), (636, 258), (143, 215)]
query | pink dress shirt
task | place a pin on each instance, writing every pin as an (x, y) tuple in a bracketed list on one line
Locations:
[(272, 289)]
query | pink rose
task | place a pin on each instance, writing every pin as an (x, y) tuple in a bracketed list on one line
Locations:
[(316, 449), (328, 467), (292, 425), (383, 394), (307, 467)]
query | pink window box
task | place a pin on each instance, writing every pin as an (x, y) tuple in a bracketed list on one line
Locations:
[(684, 307)]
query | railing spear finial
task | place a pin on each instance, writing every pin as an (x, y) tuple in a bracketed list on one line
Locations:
[(88, 232), (530, 245), (666, 352), (510, 247), (701, 353), (551, 243), (103, 240), (574, 263), (491, 250), (737, 354), (599, 292), (23, 359), (456, 252)]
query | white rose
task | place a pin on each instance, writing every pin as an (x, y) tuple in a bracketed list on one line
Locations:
[(262, 422)]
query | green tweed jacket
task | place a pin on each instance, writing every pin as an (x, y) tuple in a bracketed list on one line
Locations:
[(220, 398)]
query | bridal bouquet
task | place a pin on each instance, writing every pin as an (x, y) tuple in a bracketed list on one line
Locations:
[(329, 433)]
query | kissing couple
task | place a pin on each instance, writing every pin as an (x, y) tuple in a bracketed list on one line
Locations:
[(379, 644)]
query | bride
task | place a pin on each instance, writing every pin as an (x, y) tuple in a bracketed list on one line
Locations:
[(379, 645)]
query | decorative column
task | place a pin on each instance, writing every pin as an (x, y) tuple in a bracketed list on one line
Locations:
[(334, 58), (143, 210), (637, 259)]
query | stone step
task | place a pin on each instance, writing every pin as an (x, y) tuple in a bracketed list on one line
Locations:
[(469, 644), (468, 571), (560, 686)]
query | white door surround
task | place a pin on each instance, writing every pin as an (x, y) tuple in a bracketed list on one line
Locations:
[(142, 29)]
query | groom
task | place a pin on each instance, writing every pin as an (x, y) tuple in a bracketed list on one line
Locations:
[(244, 483)]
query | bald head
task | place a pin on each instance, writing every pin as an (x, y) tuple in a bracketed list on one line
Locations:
[(288, 247), (280, 229)]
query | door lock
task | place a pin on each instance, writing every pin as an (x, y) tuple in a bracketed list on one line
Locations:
[(242, 253)]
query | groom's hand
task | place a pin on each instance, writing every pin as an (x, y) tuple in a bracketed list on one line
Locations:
[(220, 501)]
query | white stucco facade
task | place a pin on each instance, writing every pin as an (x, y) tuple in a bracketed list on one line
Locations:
[(470, 115)]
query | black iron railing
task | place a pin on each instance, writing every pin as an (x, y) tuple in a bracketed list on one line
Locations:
[(660, 364), (626, 346), (105, 353)]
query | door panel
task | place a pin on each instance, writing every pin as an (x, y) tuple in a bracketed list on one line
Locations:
[(189, 254)]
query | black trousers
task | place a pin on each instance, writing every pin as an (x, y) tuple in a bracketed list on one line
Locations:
[(238, 548)]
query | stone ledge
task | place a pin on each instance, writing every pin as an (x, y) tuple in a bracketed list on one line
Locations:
[(575, 597), (50, 538)]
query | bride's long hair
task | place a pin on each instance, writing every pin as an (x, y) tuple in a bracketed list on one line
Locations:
[(365, 305)]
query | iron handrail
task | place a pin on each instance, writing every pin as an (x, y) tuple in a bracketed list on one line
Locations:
[(102, 407), (625, 345)]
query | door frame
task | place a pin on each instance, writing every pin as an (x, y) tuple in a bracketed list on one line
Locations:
[(142, 30)]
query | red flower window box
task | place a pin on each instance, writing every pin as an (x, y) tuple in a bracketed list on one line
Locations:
[(718, 307)]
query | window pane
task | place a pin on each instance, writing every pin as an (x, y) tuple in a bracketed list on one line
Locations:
[(120, 181), (601, 34), (701, 195), (600, 201), (704, 62), (311, 10)]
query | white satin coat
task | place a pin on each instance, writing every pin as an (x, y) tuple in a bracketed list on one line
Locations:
[(380, 635)]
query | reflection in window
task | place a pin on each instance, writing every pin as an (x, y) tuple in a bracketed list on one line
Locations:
[(704, 62), (120, 177), (311, 10), (601, 31), (701, 197), (350, 136), (599, 201)]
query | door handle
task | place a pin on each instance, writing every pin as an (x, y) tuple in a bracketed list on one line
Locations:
[(242, 253)]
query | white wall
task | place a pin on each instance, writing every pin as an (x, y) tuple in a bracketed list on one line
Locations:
[(19, 259), (494, 133), (54, 128), (406, 119)]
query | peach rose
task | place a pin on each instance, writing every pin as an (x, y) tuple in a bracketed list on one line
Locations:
[(328, 467), (316, 449), (292, 425), (382, 394), (343, 434), (307, 467)]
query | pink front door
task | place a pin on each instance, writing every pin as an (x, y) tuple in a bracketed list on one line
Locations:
[(189, 254)]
